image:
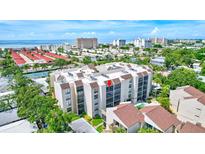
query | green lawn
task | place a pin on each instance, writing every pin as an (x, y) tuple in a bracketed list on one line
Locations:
[(74, 116), (100, 128), (97, 121)]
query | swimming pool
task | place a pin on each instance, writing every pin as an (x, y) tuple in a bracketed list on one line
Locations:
[(141, 105), (37, 75)]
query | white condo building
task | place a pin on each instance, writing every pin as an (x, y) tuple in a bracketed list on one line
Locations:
[(160, 61), (189, 104), (119, 43), (142, 43), (92, 89)]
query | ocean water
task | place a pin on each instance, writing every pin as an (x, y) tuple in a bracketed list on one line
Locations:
[(31, 43)]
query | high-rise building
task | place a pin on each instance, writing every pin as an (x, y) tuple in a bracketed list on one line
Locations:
[(87, 43), (119, 43), (142, 43), (161, 41), (93, 89)]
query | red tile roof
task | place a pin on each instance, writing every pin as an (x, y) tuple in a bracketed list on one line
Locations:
[(161, 117), (65, 85), (30, 55), (42, 57), (126, 76), (140, 74), (94, 85), (116, 81), (196, 94), (128, 114), (191, 128), (78, 83), (17, 58)]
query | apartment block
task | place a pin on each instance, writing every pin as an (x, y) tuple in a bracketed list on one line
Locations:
[(92, 89), (189, 104), (142, 43), (119, 43), (87, 43), (161, 41), (160, 61)]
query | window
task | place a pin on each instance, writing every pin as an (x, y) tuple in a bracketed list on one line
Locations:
[(67, 92), (95, 91), (96, 109), (67, 99), (95, 96), (69, 109)]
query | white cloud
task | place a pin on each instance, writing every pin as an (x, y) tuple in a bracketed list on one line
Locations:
[(89, 33), (31, 33), (70, 33), (111, 32), (155, 31)]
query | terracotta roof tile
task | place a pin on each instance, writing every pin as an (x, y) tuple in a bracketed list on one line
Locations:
[(140, 74), (191, 128), (116, 81), (128, 114), (196, 94), (78, 83), (161, 117), (65, 85), (127, 76), (94, 85)]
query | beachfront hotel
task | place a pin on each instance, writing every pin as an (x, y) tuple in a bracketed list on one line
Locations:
[(92, 89)]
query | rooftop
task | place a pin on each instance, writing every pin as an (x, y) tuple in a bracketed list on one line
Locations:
[(82, 126), (130, 119), (195, 93), (161, 117), (7, 117), (191, 128), (103, 73), (22, 126)]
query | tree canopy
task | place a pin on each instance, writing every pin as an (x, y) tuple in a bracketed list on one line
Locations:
[(42, 110), (147, 130), (87, 60), (178, 57), (181, 77), (60, 62)]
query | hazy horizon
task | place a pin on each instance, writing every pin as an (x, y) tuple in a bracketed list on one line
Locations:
[(104, 30)]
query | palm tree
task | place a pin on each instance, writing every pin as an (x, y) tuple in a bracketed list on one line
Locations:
[(35, 66), (26, 66), (44, 66)]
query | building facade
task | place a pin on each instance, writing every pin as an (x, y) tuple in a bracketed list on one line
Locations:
[(161, 41), (160, 61), (142, 43), (189, 104), (87, 43), (119, 43), (156, 117), (126, 116), (93, 89)]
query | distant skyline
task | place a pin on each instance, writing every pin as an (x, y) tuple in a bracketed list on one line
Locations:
[(105, 31)]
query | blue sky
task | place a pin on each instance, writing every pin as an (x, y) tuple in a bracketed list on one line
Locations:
[(104, 30)]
